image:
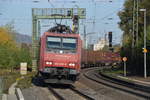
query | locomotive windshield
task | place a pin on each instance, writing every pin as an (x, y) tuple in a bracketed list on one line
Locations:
[(69, 43), (53, 42), (61, 43)]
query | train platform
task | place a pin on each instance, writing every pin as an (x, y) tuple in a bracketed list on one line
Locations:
[(137, 80)]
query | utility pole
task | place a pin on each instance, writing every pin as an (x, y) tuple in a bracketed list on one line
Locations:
[(145, 71), (135, 31), (135, 24), (144, 49), (85, 42)]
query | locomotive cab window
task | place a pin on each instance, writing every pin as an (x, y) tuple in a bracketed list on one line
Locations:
[(66, 44), (69, 43), (53, 42)]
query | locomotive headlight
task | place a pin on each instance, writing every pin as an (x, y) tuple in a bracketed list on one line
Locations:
[(49, 63), (72, 64)]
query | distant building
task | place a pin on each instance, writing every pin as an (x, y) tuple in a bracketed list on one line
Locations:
[(101, 44), (91, 46)]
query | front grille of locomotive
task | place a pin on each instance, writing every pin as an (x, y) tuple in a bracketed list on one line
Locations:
[(60, 73)]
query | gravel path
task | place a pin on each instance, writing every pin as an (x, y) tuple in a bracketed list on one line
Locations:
[(38, 93)]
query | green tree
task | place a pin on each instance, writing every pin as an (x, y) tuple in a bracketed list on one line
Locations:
[(25, 54), (135, 66)]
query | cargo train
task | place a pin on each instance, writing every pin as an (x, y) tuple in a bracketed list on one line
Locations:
[(61, 56)]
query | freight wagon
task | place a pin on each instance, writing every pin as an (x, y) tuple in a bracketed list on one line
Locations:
[(99, 58)]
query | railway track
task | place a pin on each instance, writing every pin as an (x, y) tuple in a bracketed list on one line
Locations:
[(123, 86), (68, 93)]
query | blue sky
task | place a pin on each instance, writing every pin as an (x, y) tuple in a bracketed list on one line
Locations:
[(18, 12)]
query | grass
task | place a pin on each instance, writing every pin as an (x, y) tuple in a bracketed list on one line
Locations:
[(26, 81), (8, 78), (113, 71)]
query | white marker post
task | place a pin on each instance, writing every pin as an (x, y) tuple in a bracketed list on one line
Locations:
[(23, 68), (125, 69)]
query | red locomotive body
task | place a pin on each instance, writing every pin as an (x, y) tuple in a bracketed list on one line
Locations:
[(60, 57)]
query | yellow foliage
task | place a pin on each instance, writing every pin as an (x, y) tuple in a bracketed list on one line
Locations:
[(6, 38)]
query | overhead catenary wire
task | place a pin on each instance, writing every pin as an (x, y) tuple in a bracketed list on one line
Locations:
[(53, 2), (102, 19), (61, 1)]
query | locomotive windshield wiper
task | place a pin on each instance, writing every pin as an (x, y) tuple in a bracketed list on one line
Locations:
[(54, 48), (68, 48)]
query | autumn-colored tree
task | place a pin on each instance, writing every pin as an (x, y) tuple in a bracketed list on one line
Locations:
[(11, 54), (8, 48)]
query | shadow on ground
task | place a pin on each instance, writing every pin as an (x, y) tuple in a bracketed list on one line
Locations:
[(39, 81)]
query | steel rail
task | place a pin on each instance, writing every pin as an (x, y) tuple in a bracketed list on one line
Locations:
[(109, 83), (72, 88), (125, 83), (57, 95), (81, 94)]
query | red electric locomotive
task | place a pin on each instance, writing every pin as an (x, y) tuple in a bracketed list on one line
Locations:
[(60, 56)]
